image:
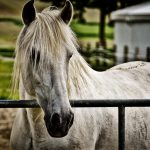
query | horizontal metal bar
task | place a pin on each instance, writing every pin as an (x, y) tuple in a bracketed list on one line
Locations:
[(19, 104), (80, 103)]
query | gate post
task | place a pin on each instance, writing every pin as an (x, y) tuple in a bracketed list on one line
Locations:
[(121, 128)]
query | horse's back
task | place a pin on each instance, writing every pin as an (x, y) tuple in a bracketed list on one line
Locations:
[(126, 81), (132, 65)]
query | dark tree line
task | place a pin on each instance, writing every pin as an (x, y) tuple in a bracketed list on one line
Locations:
[(105, 7)]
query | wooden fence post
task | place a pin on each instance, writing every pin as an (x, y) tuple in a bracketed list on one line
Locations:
[(148, 54), (81, 47), (97, 45), (97, 63), (137, 54), (88, 61), (88, 47), (114, 54), (126, 51), (104, 58)]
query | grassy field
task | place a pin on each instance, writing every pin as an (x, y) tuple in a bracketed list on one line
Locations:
[(89, 33), (10, 26), (5, 78)]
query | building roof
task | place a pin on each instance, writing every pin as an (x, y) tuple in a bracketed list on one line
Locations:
[(140, 12)]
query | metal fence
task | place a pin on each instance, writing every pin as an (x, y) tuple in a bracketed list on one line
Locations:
[(121, 104)]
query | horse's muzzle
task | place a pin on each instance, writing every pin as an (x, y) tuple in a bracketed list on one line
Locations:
[(58, 125)]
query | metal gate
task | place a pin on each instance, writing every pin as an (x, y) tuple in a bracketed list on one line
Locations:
[(121, 104)]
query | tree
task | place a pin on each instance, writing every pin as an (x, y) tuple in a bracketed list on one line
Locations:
[(125, 3), (56, 3), (80, 8), (105, 7)]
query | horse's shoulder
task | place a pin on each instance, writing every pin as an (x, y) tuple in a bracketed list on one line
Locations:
[(130, 66)]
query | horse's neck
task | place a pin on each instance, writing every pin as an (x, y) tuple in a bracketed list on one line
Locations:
[(81, 81)]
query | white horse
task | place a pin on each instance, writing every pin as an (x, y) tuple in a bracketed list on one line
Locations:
[(49, 68)]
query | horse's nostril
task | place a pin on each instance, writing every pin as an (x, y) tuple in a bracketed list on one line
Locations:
[(55, 120)]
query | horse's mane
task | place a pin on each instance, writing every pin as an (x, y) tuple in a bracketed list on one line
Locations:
[(55, 37)]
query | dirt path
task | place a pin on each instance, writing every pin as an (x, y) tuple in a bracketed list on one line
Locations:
[(6, 119)]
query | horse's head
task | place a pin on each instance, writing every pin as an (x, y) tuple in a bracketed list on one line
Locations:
[(45, 47)]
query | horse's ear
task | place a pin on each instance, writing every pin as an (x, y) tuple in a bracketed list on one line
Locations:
[(67, 12), (28, 13)]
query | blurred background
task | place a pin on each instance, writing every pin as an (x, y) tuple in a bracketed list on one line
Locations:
[(96, 31)]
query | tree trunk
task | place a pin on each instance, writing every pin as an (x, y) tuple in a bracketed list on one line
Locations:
[(81, 18), (102, 28)]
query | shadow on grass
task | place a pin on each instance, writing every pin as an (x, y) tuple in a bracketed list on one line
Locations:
[(17, 22), (7, 52), (93, 35)]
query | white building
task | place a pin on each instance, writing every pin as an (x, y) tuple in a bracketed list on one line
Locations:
[(132, 29)]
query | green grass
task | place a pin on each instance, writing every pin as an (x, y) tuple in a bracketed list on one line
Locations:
[(5, 79), (6, 67), (90, 30), (8, 34), (85, 30)]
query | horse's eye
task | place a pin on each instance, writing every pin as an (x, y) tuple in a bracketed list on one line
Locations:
[(35, 57)]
